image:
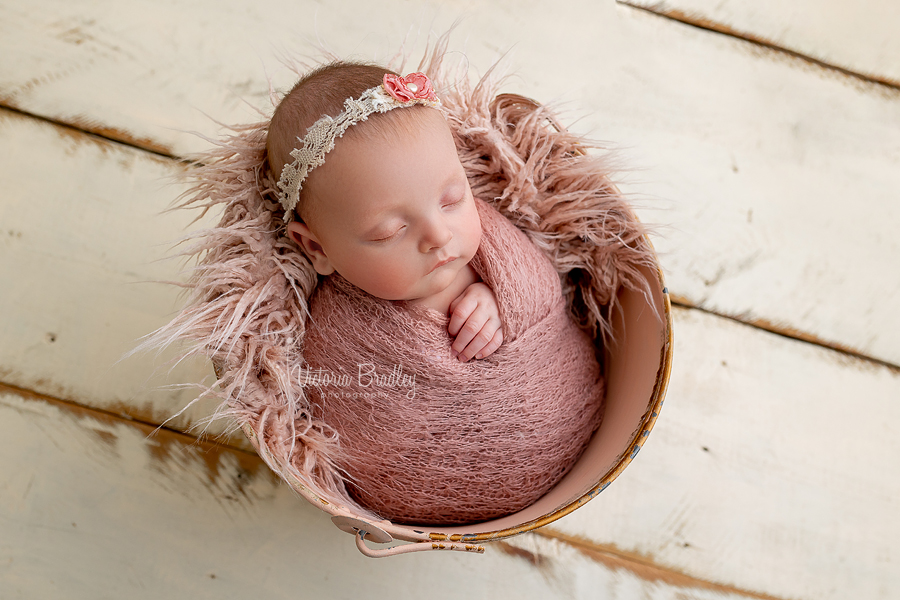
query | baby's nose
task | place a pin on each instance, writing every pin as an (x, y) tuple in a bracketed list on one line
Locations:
[(436, 235)]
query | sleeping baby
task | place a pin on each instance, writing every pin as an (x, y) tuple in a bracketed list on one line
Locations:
[(439, 347)]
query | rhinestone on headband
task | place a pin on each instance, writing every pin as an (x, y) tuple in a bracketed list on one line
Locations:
[(394, 92)]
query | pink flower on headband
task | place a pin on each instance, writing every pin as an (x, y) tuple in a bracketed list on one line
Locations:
[(414, 86)]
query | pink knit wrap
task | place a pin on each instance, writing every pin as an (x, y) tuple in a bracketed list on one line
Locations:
[(427, 439)]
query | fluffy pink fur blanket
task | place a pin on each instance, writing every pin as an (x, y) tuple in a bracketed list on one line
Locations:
[(427, 439), (247, 308)]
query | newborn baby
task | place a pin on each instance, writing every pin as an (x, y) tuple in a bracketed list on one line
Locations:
[(420, 277), (392, 213)]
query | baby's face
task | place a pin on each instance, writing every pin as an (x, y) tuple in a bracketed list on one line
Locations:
[(395, 217)]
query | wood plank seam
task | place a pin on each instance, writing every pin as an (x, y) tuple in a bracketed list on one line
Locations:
[(708, 25), (787, 332), (646, 569), (99, 413), (107, 134)]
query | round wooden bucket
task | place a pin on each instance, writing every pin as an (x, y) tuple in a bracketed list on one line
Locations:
[(637, 373)]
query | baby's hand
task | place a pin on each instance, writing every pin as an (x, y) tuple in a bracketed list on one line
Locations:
[(475, 322)]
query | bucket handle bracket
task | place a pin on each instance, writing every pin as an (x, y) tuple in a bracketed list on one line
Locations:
[(412, 547)]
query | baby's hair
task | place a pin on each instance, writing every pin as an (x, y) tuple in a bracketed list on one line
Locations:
[(323, 92)]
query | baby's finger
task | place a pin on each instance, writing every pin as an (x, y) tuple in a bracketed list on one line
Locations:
[(469, 331), (463, 310), (492, 346), (478, 343), (482, 338)]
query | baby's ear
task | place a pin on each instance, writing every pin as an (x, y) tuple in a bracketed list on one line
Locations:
[(306, 239)]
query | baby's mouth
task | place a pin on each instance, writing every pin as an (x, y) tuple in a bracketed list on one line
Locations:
[(442, 263)]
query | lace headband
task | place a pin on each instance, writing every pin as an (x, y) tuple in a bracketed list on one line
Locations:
[(394, 92)]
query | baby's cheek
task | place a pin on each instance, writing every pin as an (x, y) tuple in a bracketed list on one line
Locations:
[(390, 280), (474, 235)]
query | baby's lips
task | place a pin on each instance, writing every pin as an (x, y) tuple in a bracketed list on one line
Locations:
[(442, 263)]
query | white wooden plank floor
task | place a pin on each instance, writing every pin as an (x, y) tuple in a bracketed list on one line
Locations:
[(97, 510), (860, 36), (777, 460), (82, 250), (772, 472), (752, 154)]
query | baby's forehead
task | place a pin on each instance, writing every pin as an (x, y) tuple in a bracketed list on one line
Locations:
[(415, 147), (399, 124)]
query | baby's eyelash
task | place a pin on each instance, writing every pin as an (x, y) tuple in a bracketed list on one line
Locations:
[(390, 237)]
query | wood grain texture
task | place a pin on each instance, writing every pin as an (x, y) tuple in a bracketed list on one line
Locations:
[(858, 36), (772, 468), (778, 181), (98, 510), (82, 243), (771, 471)]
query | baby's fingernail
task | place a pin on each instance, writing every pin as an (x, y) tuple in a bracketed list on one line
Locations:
[(479, 356), (454, 353)]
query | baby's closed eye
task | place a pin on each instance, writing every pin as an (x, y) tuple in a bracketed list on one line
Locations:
[(456, 202), (389, 237)]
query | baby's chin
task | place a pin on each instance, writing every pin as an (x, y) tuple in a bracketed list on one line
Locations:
[(435, 283), (410, 293)]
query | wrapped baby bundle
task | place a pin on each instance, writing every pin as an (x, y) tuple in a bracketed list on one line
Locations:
[(427, 439), (552, 221)]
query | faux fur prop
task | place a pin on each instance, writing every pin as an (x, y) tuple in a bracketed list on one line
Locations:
[(427, 439), (247, 308)]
